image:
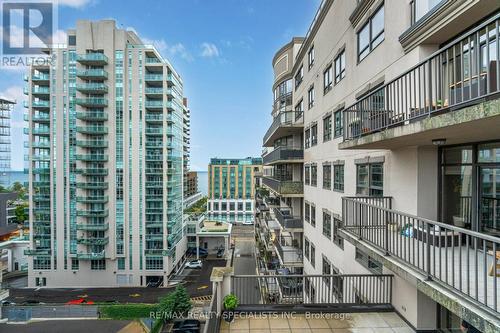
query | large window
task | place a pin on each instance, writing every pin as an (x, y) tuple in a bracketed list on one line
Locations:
[(339, 123), (327, 128), (338, 177), (314, 175), (326, 270), (299, 77), (307, 138), (337, 239), (372, 34), (340, 67), (368, 262), (327, 225), (370, 179), (306, 248), (327, 176), (310, 96), (307, 210), (327, 79), (313, 215), (310, 57), (313, 256), (422, 7), (314, 135), (307, 175)]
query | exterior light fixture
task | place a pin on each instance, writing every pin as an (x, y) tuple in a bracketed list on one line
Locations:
[(439, 142)]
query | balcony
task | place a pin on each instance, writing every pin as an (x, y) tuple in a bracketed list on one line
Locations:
[(37, 252), (284, 155), (37, 77), (92, 88), (92, 74), (152, 60), (40, 104), (92, 102), (289, 255), (93, 241), (93, 227), (433, 99), (92, 186), (93, 199), (284, 124), (154, 131), (154, 252), (96, 59), (92, 157), (153, 91), (286, 220), (40, 118), (93, 171), (90, 256), (39, 90), (154, 118), (41, 131), (153, 77), (284, 187), (92, 143), (458, 258), (154, 104), (92, 116), (92, 213), (98, 130)]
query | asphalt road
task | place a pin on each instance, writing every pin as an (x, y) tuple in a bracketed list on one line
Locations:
[(197, 283), (247, 289), (64, 326)]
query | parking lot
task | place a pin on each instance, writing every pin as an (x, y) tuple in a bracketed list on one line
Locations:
[(196, 281)]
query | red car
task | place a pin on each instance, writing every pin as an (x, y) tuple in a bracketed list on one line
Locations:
[(79, 301)]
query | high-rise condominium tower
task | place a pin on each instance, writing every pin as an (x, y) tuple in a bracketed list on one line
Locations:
[(106, 162), (6, 107)]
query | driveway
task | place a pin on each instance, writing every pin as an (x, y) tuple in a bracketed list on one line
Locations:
[(64, 326)]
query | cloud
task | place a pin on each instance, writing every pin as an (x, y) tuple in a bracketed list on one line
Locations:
[(14, 93), (209, 50), (173, 50), (74, 3)]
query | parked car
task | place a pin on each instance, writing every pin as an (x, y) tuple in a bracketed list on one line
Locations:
[(194, 264), (192, 252), (79, 301), (247, 222), (220, 253), (187, 326)]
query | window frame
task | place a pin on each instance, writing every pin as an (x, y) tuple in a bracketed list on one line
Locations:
[(327, 132), (314, 175), (370, 189), (311, 96), (310, 57), (340, 73), (327, 232), (299, 76), (336, 238), (314, 135), (371, 39), (327, 181), (338, 185), (328, 79), (338, 124)]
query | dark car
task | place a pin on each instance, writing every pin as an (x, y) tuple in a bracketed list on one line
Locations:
[(192, 252), (187, 326), (220, 253)]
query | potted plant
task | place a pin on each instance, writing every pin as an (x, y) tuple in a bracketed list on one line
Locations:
[(230, 304)]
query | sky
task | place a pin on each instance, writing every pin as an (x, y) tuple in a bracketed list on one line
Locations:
[(223, 50)]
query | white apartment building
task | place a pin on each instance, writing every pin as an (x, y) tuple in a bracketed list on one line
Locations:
[(396, 107), (106, 147)]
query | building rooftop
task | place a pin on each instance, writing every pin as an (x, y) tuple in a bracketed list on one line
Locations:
[(236, 161)]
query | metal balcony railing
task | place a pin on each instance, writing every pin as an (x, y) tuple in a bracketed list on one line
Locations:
[(463, 260), (284, 187), (283, 154), (466, 70), (289, 118), (286, 220), (314, 291)]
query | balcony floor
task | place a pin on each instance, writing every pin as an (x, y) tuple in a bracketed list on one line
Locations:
[(330, 323), (448, 264)]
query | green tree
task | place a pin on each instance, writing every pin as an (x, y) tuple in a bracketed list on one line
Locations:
[(176, 304), (19, 188), (20, 213)]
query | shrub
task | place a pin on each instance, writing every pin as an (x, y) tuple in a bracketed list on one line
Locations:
[(175, 305), (230, 302)]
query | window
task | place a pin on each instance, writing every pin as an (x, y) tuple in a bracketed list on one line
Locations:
[(327, 79), (326, 270), (307, 175), (327, 176), (313, 256), (310, 96), (314, 175), (224, 206), (368, 262), (314, 135), (307, 138), (121, 263), (327, 128), (310, 57), (248, 206), (327, 225), (338, 177), (98, 264), (337, 239), (41, 263), (371, 35), (370, 179), (340, 67), (306, 248), (216, 206), (313, 215), (422, 7), (337, 284), (307, 208), (154, 263), (339, 123), (75, 264), (240, 206), (299, 77), (299, 109)]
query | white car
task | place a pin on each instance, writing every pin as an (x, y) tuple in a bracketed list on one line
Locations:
[(247, 223), (194, 264)]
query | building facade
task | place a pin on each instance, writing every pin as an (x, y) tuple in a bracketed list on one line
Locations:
[(186, 121), (191, 184), (395, 104), (231, 188), (6, 107), (105, 162)]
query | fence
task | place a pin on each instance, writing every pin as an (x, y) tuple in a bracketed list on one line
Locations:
[(25, 313)]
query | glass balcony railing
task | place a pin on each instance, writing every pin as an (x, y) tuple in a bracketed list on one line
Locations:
[(92, 88), (92, 186), (97, 102), (92, 116), (36, 252), (92, 143), (154, 91), (93, 171), (93, 199), (150, 60), (90, 256), (93, 227), (154, 131), (40, 90), (92, 129), (153, 77), (40, 118), (40, 104), (98, 74), (92, 213), (92, 58), (39, 171), (154, 104), (40, 157), (92, 157), (41, 131), (154, 117), (93, 241), (40, 77)]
